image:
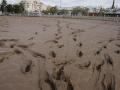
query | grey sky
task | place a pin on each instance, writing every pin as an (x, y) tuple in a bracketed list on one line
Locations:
[(68, 3)]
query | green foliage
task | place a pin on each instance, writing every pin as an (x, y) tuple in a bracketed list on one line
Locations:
[(16, 8), (53, 10), (50, 10), (45, 12), (62, 12), (10, 8), (78, 10)]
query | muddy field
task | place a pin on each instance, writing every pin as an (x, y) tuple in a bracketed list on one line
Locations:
[(59, 54)]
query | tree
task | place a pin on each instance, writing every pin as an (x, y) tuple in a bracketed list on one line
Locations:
[(85, 11), (102, 11), (21, 6), (18, 8), (3, 6), (10, 8), (63, 12), (76, 11), (45, 12), (53, 10)]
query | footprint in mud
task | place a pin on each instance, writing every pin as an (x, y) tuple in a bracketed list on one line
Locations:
[(27, 66), (104, 78), (70, 86), (5, 40), (100, 42), (118, 45), (37, 55), (17, 51), (2, 44), (72, 28), (75, 36), (105, 47), (75, 39), (46, 80), (81, 30), (108, 82), (59, 31), (4, 31), (63, 63), (84, 65), (59, 75), (50, 82), (117, 51), (79, 53), (14, 40), (98, 51), (56, 34), (111, 40), (2, 59), (79, 44), (60, 46), (118, 38), (108, 59), (67, 26), (12, 45), (77, 31), (44, 28), (31, 38), (36, 33), (23, 46), (57, 38), (52, 54), (99, 66), (54, 41)]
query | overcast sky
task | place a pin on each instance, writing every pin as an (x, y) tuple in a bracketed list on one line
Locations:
[(69, 3)]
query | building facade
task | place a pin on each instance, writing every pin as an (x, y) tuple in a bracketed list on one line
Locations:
[(33, 6)]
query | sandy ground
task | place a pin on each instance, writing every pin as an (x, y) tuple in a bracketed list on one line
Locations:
[(59, 54)]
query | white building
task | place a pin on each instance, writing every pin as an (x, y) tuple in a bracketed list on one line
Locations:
[(33, 6), (43, 6)]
